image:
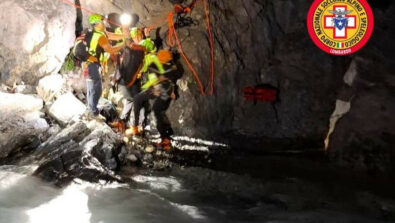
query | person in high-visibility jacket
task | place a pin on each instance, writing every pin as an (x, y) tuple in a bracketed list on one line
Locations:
[(98, 45), (128, 84), (158, 88)]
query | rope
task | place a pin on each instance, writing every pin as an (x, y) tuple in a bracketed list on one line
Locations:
[(173, 39), (173, 31)]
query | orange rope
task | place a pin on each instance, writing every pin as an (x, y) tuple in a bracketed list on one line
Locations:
[(173, 31), (171, 42)]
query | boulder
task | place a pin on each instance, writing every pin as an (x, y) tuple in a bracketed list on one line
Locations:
[(20, 122), (75, 82), (66, 109), (75, 132), (35, 38), (50, 87), (102, 144), (85, 151)]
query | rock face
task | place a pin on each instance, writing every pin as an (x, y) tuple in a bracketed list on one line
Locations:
[(365, 137), (20, 122), (35, 38)]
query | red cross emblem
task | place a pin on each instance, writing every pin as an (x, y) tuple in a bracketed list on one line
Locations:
[(330, 23)]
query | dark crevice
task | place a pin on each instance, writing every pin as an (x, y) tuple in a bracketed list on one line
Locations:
[(382, 4), (78, 22)]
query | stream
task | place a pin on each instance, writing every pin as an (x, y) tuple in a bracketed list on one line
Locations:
[(190, 194)]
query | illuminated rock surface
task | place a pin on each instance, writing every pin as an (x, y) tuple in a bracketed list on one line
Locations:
[(36, 38), (20, 122)]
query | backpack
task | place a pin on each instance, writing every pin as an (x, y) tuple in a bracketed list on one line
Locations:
[(81, 45), (132, 60)]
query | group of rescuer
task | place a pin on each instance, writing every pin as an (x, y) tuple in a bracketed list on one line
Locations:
[(147, 81)]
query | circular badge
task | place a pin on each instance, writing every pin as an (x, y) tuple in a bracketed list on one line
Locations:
[(340, 27)]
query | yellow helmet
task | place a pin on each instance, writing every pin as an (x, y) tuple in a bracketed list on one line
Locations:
[(95, 18)]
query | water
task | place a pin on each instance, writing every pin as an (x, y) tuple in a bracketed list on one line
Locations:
[(179, 195)]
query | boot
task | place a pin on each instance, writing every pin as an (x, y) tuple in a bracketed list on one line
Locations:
[(120, 125), (165, 144), (132, 131)]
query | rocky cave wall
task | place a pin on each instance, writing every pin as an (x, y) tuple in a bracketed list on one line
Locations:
[(256, 42), (35, 38)]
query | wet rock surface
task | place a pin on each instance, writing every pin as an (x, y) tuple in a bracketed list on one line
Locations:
[(21, 122), (73, 153), (88, 150)]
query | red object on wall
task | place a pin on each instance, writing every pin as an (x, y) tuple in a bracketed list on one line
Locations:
[(262, 93), (249, 93)]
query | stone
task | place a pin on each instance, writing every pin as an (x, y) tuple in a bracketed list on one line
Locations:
[(132, 158), (51, 87), (20, 103), (66, 108), (25, 89), (76, 132), (20, 122), (42, 33), (76, 82), (149, 149), (103, 143)]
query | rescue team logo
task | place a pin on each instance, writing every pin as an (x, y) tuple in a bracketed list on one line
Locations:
[(340, 27)]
